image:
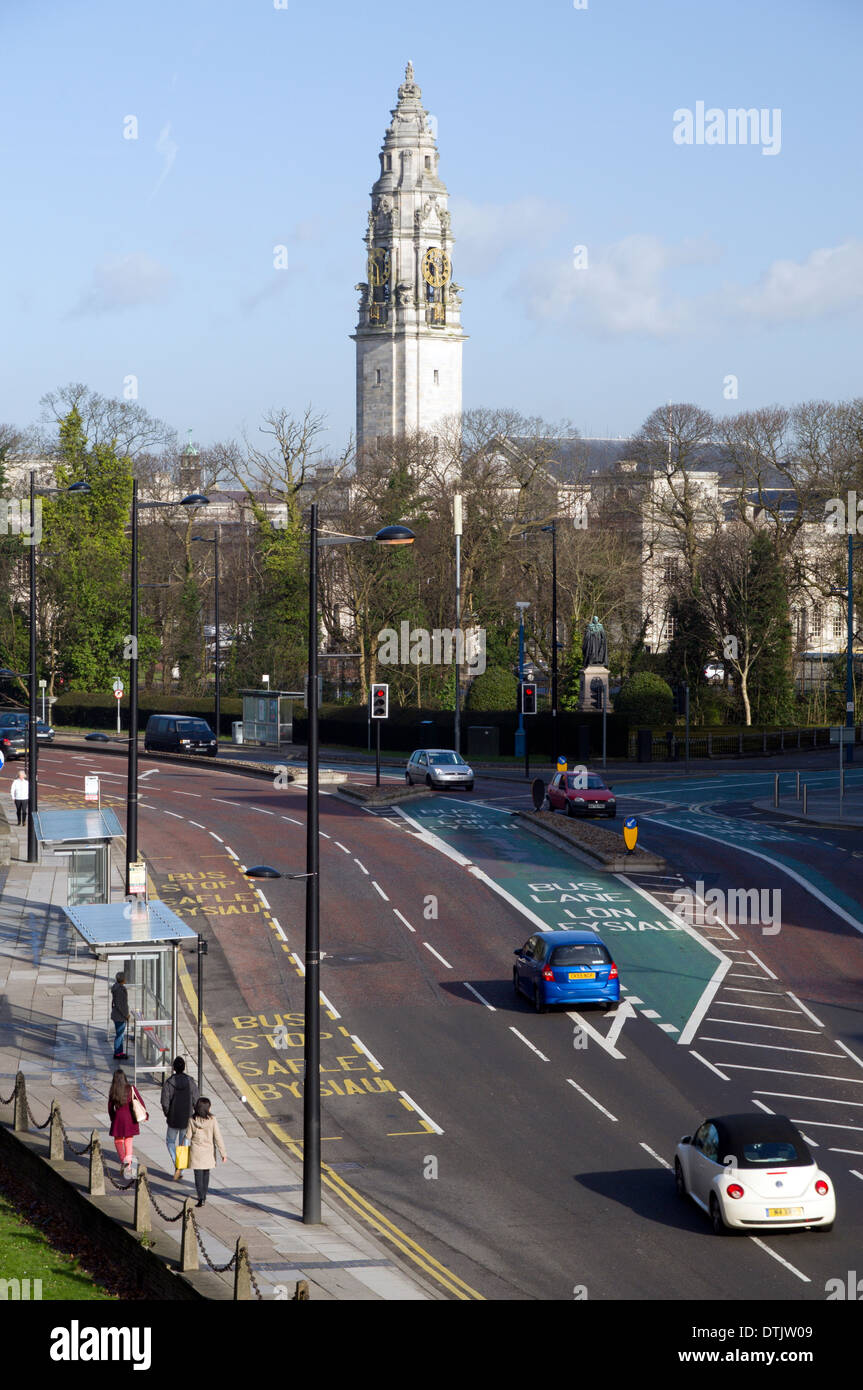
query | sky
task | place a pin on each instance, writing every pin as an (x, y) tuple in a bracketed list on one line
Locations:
[(153, 156)]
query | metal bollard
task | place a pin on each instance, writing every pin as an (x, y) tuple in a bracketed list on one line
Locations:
[(776, 789), (188, 1244), (805, 790), (142, 1202), (242, 1282), (20, 1122), (56, 1149), (97, 1172), (797, 790)]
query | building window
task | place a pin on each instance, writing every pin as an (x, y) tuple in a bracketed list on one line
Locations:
[(671, 564), (378, 377), (817, 622), (669, 627), (428, 161), (436, 377), (389, 163), (837, 624)]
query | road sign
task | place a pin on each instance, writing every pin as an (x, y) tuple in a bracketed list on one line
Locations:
[(118, 694), (561, 763), (117, 684), (42, 685), (630, 833), (537, 789), (91, 788), (138, 878), (2, 760)]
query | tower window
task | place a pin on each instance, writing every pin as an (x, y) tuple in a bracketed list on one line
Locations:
[(436, 377), (428, 161), (378, 377), (389, 162)]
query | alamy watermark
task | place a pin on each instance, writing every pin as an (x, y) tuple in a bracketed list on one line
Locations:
[(747, 906), (844, 517), (15, 519), (737, 126), (441, 647)]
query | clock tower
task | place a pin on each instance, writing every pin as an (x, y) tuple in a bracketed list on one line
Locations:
[(409, 336)]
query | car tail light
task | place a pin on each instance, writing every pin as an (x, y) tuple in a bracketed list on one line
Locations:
[(548, 974), (612, 974), (734, 1190), (821, 1188)]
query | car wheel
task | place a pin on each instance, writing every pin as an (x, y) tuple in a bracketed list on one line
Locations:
[(468, 786), (719, 1226), (611, 1006), (570, 811), (823, 1228), (679, 1179), (408, 779), (612, 814), (428, 780), (515, 984), (539, 1001)]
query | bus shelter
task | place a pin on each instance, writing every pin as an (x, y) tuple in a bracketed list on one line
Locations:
[(83, 836), (268, 716), (143, 940)]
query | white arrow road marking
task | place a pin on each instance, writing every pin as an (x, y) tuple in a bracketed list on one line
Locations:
[(596, 1035), (624, 1011), (141, 775)]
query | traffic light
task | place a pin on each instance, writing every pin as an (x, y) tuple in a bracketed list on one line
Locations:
[(680, 698), (528, 697), (597, 692), (380, 701)]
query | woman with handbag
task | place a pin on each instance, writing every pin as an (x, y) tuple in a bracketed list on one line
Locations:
[(126, 1109), (203, 1138)]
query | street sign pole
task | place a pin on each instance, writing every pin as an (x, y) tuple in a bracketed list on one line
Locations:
[(378, 754)]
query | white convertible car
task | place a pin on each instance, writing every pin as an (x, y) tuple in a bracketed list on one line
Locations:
[(753, 1170)]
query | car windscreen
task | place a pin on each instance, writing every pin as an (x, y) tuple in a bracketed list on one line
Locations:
[(580, 955), (769, 1151), (444, 759), (576, 782), (13, 720), (193, 728)]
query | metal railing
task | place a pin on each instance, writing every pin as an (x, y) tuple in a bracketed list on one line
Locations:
[(670, 746)]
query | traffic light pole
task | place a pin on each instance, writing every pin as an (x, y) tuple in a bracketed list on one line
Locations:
[(604, 709), (526, 754), (686, 697), (378, 753)]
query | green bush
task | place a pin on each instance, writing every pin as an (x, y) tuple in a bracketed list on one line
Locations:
[(495, 689), (85, 709), (645, 699)]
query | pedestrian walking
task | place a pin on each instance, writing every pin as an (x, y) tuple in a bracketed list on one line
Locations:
[(125, 1108), (21, 796), (119, 1015), (204, 1138), (179, 1094)]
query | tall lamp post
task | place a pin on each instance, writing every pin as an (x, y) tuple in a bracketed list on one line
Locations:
[(75, 490), (519, 733), (848, 596), (215, 543), (195, 499), (457, 529), (553, 529), (388, 535)]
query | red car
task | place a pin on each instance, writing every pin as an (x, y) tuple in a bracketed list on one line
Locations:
[(580, 794)]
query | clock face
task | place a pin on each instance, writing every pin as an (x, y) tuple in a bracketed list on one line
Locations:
[(379, 266), (436, 267)]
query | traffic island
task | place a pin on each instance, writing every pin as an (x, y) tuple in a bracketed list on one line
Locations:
[(382, 796), (602, 848)]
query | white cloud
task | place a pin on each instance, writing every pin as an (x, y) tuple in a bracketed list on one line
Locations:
[(622, 289), (829, 280), (486, 232), (125, 282), (168, 149)]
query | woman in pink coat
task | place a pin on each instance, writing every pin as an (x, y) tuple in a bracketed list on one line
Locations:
[(124, 1126)]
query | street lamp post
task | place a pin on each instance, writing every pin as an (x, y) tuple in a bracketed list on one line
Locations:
[(194, 499), (78, 490), (849, 655), (519, 733), (553, 529), (215, 543), (388, 535), (457, 528)]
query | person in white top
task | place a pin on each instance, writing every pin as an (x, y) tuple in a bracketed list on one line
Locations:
[(21, 796)]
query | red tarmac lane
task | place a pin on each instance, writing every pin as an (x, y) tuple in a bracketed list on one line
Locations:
[(548, 1174)]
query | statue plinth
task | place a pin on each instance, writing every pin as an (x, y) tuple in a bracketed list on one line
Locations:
[(590, 695)]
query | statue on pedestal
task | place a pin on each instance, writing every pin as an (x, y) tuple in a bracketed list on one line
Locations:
[(594, 644)]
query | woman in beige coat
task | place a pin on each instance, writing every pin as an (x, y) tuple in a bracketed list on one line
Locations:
[(203, 1138)]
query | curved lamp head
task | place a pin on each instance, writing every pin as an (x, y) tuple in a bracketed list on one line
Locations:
[(395, 535), (208, 539), (262, 871), (195, 499), (80, 489)]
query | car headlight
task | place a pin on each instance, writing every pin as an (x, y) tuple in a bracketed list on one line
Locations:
[(579, 800), (612, 801)]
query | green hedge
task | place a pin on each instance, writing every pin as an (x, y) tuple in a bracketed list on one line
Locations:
[(99, 711)]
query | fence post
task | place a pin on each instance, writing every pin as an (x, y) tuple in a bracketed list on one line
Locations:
[(805, 790), (764, 741), (97, 1171), (56, 1150), (710, 745), (776, 789), (797, 789), (814, 738), (781, 740), (20, 1122), (188, 1244), (242, 1283), (301, 1292), (142, 1201), (740, 744), (799, 734)]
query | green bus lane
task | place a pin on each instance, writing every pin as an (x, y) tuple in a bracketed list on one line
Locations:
[(667, 970)]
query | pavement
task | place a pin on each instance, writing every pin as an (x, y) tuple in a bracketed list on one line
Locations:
[(54, 1027), (822, 808)]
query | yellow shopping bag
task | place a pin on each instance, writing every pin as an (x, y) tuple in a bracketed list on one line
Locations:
[(182, 1156)]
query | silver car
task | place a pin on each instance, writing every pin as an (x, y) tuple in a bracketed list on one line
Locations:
[(439, 767)]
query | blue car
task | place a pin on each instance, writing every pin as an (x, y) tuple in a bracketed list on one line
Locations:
[(566, 967)]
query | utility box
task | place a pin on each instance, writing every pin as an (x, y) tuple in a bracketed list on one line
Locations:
[(483, 741), (645, 745)]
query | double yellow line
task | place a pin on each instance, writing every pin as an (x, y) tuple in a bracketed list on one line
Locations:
[(337, 1185)]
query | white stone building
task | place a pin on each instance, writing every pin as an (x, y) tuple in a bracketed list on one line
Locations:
[(409, 336)]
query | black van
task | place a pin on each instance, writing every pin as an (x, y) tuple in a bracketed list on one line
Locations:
[(179, 733)]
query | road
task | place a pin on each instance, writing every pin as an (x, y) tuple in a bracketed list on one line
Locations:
[(525, 1156)]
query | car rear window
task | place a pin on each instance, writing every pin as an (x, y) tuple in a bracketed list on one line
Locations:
[(580, 955), (576, 782), (770, 1151), (193, 728)]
